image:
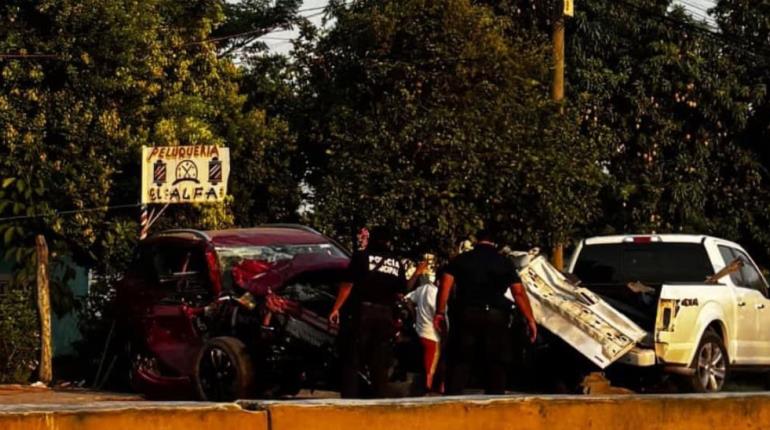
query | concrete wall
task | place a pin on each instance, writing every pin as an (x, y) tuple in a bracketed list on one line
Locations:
[(680, 412), (132, 416), (734, 412)]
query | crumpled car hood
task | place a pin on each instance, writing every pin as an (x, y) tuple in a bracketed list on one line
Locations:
[(576, 315)]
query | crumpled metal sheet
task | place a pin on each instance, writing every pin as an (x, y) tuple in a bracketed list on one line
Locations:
[(578, 316)]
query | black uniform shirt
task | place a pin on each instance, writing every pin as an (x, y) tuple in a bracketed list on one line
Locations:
[(377, 277), (482, 275)]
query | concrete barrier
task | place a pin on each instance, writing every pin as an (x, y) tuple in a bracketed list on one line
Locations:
[(131, 416), (676, 412)]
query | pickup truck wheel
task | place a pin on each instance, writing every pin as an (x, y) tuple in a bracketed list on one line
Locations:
[(710, 365), (224, 371)]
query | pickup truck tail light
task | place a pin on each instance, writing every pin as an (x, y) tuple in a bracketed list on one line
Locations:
[(667, 310), (642, 239)]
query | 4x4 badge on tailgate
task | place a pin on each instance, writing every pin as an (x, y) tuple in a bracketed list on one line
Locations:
[(689, 302)]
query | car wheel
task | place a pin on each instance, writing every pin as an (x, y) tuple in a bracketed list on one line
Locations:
[(224, 371), (710, 365)]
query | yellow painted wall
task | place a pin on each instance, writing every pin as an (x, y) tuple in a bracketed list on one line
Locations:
[(230, 417), (573, 413), (731, 412)]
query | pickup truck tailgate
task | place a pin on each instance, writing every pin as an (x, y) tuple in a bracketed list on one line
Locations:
[(577, 315)]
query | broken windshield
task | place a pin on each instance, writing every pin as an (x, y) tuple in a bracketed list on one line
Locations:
[(232, 255)]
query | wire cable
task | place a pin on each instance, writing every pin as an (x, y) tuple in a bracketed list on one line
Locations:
[(70, 212), (12, 56), (731, 40)]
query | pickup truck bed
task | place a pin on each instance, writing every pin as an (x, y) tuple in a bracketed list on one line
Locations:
[(661, 293)]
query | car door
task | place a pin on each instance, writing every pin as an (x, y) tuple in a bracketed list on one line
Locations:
[(749, 303), (180, 281), (754, 280)]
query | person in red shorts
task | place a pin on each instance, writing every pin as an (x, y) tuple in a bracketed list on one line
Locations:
[(424, 299)]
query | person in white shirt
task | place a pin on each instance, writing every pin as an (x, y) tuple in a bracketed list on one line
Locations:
[(424, 299)]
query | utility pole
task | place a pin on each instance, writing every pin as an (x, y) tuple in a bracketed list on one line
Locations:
[(44, 309), (563, 7), (557, 81)]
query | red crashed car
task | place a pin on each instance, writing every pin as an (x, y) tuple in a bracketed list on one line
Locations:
[(220, 315)]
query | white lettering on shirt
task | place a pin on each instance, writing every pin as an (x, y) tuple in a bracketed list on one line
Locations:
[(390, 266)]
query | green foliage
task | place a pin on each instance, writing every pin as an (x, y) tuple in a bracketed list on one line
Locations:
[(669, 101), (124, 74), (250, 19), (426, 117), (20, 339)]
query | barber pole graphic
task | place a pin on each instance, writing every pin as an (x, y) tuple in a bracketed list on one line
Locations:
[(159, 173), (144, 219), (215, 171)]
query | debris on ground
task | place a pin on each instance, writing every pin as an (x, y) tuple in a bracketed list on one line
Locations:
[(596, 383)]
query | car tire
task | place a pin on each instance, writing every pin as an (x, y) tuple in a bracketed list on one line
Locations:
[(711, 365), (223, 370)]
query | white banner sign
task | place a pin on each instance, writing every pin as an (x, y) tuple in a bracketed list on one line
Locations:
[(184, 174)]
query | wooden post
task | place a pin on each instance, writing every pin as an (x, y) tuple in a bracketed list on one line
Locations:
[(557, 95), (44, 309), (557, 81), (557, 256)]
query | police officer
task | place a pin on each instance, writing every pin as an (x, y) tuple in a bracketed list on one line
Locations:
[(374, 279), (481, 315)]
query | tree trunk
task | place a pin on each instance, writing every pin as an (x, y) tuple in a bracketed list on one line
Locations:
[(44, 309)]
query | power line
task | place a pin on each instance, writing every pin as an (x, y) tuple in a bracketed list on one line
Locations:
[(732, 40), (314, 15), (264, 31), (695, 11), (693, 6), (244, 34), (24, 56), (275, 38), (313, 8), (70, 212), (280, 44)]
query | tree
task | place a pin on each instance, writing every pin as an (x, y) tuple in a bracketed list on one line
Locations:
[(424, 117), (744, 32), (674, 101), (666, 100), (123, 75), (115, 76), (248, 20)]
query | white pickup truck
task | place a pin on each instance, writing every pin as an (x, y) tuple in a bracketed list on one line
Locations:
[(693, 305)]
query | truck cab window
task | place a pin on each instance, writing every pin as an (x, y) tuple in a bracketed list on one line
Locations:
[(728, 255), (650, 263), (750, 274)]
